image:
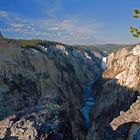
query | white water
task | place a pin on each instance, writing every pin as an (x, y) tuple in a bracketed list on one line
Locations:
[(104, 65)]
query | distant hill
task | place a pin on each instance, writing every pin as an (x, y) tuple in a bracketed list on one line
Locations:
[(103, 49), (106, 49)]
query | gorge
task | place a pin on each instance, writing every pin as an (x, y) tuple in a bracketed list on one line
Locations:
[(59, 92)]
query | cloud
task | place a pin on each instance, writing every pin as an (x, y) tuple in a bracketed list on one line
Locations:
[(53, 29), (17, 25), (72, 30), (3, 14), (75, 31), (75, 27), (52, 8)]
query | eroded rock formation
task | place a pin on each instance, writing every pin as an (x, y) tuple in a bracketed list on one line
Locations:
[(124, 66), (42, 93)]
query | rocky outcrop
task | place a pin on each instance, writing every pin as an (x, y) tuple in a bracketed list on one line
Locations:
[(115, 94), (124, 66), (42, 91), (132, 115), (46, 93), (47, 121)]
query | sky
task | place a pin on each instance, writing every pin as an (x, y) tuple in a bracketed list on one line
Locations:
[(70, 21)]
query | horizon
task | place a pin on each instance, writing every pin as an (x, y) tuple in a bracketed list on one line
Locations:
[(67, 43), (81, 22)]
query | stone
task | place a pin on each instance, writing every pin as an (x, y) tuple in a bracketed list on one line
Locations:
[(42, 93)]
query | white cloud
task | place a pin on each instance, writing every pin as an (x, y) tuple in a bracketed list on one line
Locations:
[(53, 29), (18, 25), (70, 30), (75, 27), (3, 14)]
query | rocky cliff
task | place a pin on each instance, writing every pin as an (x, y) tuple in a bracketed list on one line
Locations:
[(128, 74), (44, 90)]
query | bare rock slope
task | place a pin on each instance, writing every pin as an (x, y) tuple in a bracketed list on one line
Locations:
[(124, 66), (42, 93)]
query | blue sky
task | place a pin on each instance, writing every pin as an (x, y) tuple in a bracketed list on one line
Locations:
[(69, 21)]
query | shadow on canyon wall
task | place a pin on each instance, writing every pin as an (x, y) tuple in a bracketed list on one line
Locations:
[(110, 99), (33, 80)]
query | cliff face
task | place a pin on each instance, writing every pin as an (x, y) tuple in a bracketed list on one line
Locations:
[(129, 75), (124, 66), (44, 90), (116, 114)]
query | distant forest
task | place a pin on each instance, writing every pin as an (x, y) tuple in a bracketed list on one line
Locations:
[(104, 49)]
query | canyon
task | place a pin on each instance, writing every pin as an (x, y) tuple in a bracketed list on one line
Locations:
[(42, 93)]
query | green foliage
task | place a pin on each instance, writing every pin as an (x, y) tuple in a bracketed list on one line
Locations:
[(30, 43), (136, 13), (135, 31)]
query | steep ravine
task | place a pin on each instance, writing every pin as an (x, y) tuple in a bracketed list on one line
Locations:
[(42, 93), (118, 89), (43, 89)]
